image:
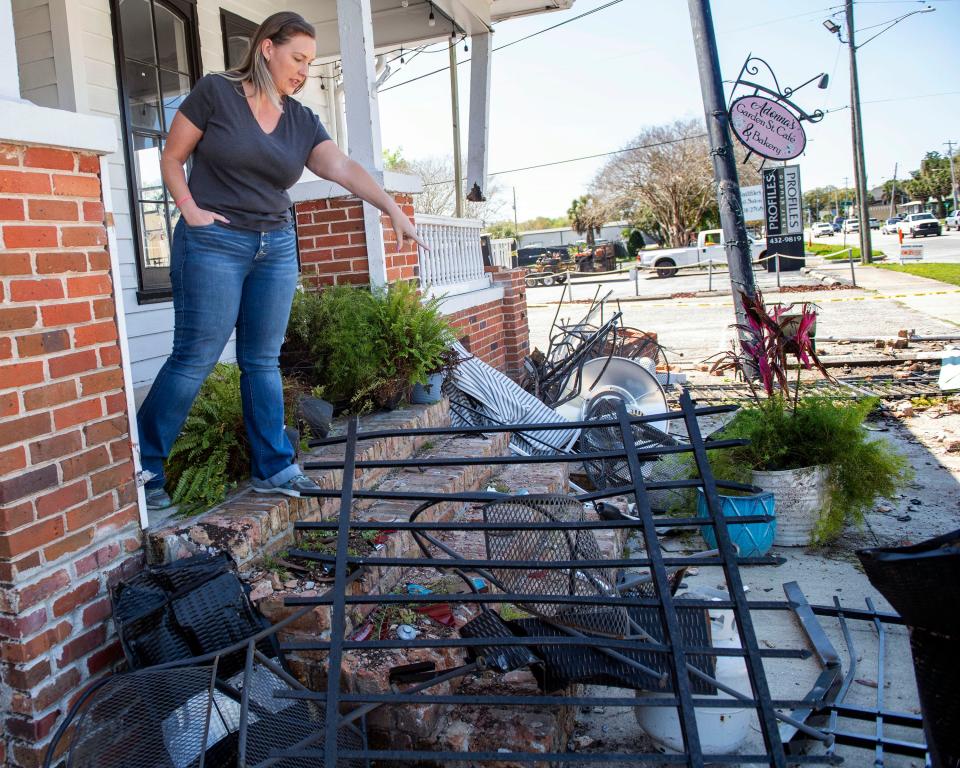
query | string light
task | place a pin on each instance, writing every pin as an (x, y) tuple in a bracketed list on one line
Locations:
[(404, 3), (431, 19)]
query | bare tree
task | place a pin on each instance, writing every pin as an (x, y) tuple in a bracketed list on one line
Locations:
[(670, 179), (437, 198)]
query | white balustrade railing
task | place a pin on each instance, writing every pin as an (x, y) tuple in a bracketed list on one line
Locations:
[(501, 252), (454, 263)]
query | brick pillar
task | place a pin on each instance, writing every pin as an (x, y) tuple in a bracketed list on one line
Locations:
[(69, 523), (516, 331), (333, 246), (404, 265)]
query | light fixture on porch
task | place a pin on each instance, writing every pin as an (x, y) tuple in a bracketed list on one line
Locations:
[(431, 19), (404, 3)]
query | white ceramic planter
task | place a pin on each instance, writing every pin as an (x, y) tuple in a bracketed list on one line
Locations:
[(723, 729), (801, 497)]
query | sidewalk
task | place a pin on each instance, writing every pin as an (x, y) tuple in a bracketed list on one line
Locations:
[(931, 297)]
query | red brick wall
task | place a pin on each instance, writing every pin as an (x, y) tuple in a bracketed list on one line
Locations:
[(333, 245), (404, 265), (69, 523), (516, 331), (497, 332)]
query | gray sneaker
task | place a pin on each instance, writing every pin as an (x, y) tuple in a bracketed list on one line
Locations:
[(295, 486), (157, 499)]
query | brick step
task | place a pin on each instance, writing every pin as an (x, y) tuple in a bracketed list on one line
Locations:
[(250, 525), (382, 579), (523, 729)]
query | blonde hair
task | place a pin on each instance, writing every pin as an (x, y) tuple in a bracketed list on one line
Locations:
[(278, 28)]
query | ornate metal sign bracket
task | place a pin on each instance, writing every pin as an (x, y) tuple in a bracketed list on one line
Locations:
[(757, 75)]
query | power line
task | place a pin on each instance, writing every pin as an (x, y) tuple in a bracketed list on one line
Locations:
[(505, 45), (584, 157), (896, 98)]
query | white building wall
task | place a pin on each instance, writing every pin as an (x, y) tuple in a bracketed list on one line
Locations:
[(567, 236), (35, 59), (93, 78)]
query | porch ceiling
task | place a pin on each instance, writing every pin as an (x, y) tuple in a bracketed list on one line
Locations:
[(394, 25)]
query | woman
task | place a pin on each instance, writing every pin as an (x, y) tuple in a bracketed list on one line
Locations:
[(233, 261)]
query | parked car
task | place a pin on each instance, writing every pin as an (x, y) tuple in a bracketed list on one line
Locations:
[(874, 223), (822, 229), (851, 225), (953, 221), (709, 246), (838, 223), (890, 225), (917, 224)]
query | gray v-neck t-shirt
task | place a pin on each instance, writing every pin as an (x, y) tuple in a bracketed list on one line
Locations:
[(238, 170)]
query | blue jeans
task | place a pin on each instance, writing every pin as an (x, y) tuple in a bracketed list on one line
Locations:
[(223, 279)]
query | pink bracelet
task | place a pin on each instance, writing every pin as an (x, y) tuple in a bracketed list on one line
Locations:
[(182, 200)]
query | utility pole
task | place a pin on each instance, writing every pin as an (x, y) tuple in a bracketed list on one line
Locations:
[(516, 226), (859, 163), (953, 178), (455, 104), (893, 190), (735, 238)]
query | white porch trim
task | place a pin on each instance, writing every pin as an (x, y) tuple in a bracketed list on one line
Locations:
[(451, 304), (355, 27), (312, 187), (454, 263), (27, 123), (122, 340), (66, 26), (9, 71), (482, 47)]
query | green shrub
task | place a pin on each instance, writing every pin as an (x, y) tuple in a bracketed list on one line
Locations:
[(212, 452)]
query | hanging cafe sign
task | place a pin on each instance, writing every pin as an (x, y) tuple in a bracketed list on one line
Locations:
[(767, 128), (767, 121)]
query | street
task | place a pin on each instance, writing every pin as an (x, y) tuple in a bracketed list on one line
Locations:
[(693, 323), (945, 248)]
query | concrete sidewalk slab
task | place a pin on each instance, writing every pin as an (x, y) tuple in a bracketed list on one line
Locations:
[(930, 297)]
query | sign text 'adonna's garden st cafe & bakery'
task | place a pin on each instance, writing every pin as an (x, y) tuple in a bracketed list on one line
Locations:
[(767, 127)]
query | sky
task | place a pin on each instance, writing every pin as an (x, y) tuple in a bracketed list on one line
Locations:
[(592, 85)]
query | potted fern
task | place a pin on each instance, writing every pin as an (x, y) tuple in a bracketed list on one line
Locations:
[(809, 449), (363, 349)]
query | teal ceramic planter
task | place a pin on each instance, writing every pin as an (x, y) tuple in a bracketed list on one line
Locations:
[(753, 539)]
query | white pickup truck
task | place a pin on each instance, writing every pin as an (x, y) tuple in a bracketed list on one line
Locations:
[(709, 247)]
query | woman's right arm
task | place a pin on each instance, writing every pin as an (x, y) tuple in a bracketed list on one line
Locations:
[(181, 141)]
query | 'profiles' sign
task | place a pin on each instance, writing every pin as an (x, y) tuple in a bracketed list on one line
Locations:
[(783, 217), (767, 127)]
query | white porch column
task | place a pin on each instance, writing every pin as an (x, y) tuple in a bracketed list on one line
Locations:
[(355, 27), (481, 46), (9, 71)]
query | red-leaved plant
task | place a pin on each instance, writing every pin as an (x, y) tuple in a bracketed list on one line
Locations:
[(778, 333)]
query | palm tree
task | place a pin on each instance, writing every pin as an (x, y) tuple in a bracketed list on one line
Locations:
[(586, 217)]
